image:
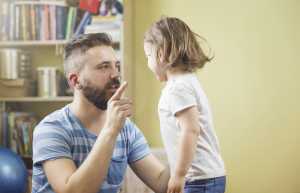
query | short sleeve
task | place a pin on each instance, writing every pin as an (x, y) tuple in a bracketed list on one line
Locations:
[(50, 142), (138, 147), (180, 97)]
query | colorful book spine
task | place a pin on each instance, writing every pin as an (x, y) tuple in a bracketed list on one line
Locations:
[(86, 20), (61, 18), (11, 21), (33, 22), (46, 25), (69, 22), (52, 9), (17, 22), (4, 27), (5, 132)]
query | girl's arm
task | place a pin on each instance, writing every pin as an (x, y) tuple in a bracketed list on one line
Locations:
[(189, 123)]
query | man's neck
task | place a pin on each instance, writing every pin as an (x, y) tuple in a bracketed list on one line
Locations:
[(89, 115)]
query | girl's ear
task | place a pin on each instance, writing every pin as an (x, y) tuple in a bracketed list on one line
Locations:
[(160, 56)]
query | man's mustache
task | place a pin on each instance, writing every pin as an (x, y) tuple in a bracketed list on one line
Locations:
[(115, 82)]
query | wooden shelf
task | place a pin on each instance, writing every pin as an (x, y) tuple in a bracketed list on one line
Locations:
[(32, 43), (36, 43), (37, 99), (48, 2)]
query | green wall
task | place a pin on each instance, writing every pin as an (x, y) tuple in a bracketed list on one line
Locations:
[(253, 85)]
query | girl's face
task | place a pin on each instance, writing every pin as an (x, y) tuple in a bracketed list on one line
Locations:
[(154, 63)]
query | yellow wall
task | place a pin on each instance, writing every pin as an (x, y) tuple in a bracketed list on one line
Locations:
[(253, 85)]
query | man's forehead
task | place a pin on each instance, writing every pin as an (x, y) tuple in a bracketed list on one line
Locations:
[(106, 53)]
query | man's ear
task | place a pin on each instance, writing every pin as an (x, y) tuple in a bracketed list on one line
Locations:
[(73, 80)]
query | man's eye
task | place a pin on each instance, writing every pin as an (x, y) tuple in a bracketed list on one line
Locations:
[(104, 66), (119, 68)]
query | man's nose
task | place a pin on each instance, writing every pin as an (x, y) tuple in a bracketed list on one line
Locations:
[(115, 72)]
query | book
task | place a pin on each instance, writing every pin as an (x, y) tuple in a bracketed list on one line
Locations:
[(5, 134), (86, 19), (24, 126), (17, 132), (33, 22), (4, 27), (91, 6), (1, 127), (11, 21), (52, 17), (17, 22), (46, 23), (61, 21)]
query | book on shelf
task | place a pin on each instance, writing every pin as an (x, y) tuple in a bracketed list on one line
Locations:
[(107, 24), (1, 133), (49, 20), (17, 131), (24, 21), (4, 20), (86, 20), (91, 6)]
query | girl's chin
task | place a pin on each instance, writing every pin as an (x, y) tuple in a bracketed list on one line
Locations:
[(161, 78)]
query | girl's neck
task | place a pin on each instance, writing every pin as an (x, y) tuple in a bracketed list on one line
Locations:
[(174, 72)]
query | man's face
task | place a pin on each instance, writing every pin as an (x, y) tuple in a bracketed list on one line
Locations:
[(100, 77)]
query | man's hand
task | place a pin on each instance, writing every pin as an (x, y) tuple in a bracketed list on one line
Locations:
[(176, 184), (118, 109)]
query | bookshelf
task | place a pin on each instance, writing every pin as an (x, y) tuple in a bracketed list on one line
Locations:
[(4, 44), (30, 27), (34, 43), (48, 51), (37, 99)]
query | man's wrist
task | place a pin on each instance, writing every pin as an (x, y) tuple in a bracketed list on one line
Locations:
[(109, 132)]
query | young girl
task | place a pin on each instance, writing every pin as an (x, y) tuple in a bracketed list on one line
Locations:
[(186, 122)]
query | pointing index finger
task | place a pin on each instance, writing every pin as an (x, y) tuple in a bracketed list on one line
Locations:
[(117, 95)]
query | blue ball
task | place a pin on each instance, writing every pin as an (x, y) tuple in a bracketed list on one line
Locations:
[(13, 173)]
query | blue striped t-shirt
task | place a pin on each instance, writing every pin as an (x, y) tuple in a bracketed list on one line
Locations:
[(61, 134)]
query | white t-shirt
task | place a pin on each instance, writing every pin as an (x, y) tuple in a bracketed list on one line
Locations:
[(181, 92)]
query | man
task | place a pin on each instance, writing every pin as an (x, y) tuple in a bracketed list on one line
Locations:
[(86, 146)]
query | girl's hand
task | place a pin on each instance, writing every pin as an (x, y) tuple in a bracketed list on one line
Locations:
[(176, 184)]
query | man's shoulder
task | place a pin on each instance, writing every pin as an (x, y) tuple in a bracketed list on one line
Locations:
[(55, 119), (129, 126), (56, 116), (130, 130)]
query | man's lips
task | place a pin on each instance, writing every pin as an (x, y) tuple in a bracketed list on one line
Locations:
[(114, 87)]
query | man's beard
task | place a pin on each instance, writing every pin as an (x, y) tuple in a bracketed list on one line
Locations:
[(99, 97)]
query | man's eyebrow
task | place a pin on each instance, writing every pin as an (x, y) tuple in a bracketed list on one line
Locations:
[(102, 63), (108, 62)]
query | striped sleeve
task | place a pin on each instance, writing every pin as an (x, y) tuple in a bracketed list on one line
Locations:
[(50, 142), (138, 146)]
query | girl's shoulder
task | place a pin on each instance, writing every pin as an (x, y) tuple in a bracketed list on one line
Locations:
[(182, 83)]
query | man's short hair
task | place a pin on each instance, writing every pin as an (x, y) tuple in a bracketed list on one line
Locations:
[(77, 46)]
